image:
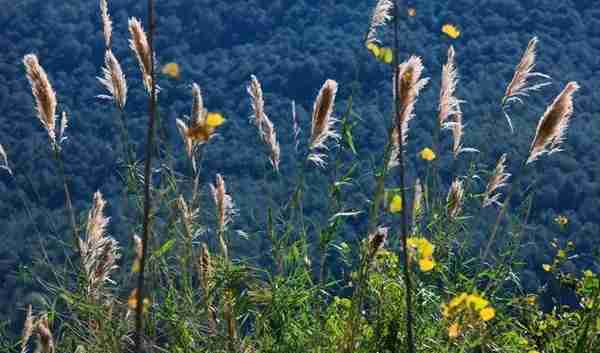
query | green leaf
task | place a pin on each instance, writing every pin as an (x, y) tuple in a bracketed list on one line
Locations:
[(163, 249)]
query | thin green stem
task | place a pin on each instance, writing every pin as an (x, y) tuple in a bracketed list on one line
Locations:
[(147, 182), (70, 209), (404, 214)]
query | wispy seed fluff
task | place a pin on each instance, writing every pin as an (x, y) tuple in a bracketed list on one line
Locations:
[(518, 86), (223, 201), (322, 122), (106, 22), (139, 44), (113, 80), (45, 97), (454, 201), (4, 160), (99, 252), (553, 125), (381, 14), (498, 180), (407, 86), (262, 121), (449, 105)]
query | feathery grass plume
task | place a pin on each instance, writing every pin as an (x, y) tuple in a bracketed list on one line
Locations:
[(381, 14), (199, 128), (518, 87), (457, 128), (377, 240), (4, 161), (187, 215), (410, 84), (106, 22), (205, 270), (113, 80), (497, 181), (137, 248), (27, 329), (417, 207), (64, 123), (454, 201), (408, 90), (99, 252), (553, 124), (45, 341), (44, 95), (322, 121), (262, 121), (449, 105), (225, 210), (295, 126), (139, 44)]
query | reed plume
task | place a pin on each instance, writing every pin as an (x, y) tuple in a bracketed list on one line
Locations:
[(417, 206), (411, 83), (113, 80), (449, 105), (553, 125), (205, 270), (225, 210), (295, 126), (498, 180), (137, 248), (106, 23), (45, 97), (195, 130), (263, 123), (4, 160), (139, 44), (518, 86), (188, 216), (322, 121), (380, 15), (454, 201), (27, 329), (45, 341), (376, 241), (99, 252)]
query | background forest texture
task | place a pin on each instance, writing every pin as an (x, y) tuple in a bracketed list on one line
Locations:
[(292, 46)]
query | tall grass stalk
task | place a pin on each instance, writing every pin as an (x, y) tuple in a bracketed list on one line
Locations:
[(404, 215), (147, 182)]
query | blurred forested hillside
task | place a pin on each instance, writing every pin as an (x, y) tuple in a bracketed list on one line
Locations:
[(292, 46)]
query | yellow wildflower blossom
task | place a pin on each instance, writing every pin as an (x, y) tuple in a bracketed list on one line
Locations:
[(396, 204), (451, 30), (454, 330), (547, 267), (171, 70), (426, 264), (487, 314), (427, 154)]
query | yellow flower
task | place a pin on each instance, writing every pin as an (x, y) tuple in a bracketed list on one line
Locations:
[(561, 220), (426, 264), (588, 273), (454, 330), (451, 30), (427, 154), (477, 302), (132, 301), (214, 119), (396, 204), (547, 267), (530, 299), (171, 70), (487, 314)]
